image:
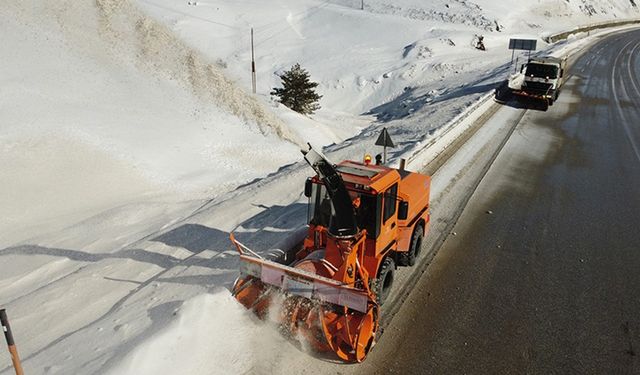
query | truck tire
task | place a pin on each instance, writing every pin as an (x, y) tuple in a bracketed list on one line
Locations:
[(554, 98), (416, 245), (383, 283)]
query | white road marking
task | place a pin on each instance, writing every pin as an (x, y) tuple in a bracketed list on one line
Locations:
[(616, 98)]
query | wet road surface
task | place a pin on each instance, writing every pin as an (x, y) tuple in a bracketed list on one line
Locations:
[(541, 274)]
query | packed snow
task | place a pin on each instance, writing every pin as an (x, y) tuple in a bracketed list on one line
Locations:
[(214, 325), (131, 146)]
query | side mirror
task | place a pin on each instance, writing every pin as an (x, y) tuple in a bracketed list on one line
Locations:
[(308, 187), (403, 210)]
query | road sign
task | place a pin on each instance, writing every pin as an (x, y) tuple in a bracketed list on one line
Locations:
[(385, 141), (523, 44)]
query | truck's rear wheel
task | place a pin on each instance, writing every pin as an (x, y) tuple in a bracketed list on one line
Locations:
[(383, 283), (416, 245)]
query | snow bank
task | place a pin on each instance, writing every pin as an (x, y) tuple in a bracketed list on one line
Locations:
[(209, 332), (157, 49), (101, 106)]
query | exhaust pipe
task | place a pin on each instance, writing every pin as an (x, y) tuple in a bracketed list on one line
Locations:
[(402, 164)]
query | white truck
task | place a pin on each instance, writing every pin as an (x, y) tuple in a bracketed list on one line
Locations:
[(540, 79)]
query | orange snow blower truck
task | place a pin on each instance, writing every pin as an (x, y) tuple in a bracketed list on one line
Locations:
[(364, 221)]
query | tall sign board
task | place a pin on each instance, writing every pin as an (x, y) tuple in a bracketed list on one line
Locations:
[(522, 45)]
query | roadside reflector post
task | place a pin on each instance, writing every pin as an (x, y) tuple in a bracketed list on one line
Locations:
[(12, 345), (253, 66)]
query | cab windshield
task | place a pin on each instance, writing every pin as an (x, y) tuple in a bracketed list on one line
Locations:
[(542, 71), (367, 209)]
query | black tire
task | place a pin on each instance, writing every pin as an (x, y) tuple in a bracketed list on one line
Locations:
[(545, 105), (555, 97), (383, 283), (416, 245)]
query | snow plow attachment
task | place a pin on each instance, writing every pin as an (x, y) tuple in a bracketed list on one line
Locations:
[(363, 220), (331, 315)]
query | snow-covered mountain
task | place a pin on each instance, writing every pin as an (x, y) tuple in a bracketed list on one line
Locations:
[(131, 146)]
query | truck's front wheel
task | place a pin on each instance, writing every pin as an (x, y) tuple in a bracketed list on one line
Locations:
[(383, 283), (416, 245), (554, 98)]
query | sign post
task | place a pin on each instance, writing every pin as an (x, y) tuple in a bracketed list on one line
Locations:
[(385, 141)]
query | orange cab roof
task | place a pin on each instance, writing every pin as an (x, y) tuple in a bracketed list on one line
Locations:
[(377, 177)]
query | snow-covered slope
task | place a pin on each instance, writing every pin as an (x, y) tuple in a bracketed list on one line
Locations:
[(129, 145), (101, 105)]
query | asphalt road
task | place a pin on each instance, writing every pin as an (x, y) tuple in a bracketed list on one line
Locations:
[(541, 274)]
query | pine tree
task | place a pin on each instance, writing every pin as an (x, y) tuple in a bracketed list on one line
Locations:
[(298, 91)]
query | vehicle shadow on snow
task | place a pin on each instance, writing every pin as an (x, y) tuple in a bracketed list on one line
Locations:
[(275, 227), (415, 98), (412, 100), (193, 237), (161, 260), (223, 265), (271, 228)]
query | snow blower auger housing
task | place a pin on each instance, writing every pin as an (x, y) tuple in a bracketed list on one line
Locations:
[(364, 220)]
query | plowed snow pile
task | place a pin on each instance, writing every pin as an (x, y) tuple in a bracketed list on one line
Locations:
[(217, 333)]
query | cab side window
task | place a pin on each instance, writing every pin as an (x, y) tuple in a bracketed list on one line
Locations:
[(390, 202)]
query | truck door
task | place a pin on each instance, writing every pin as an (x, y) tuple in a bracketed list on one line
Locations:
[(389, 228)]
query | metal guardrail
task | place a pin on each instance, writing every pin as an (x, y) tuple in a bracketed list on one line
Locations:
[(594, 26), (450, 125)]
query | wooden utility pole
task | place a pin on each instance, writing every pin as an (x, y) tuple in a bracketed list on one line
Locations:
[(362, 5), (253, 65), (10, 343)]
